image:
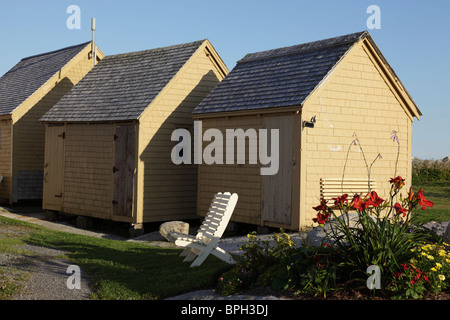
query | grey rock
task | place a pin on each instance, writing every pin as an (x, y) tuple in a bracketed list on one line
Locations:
[(446, 237), (438, 227), (318, 235), (173, 226)]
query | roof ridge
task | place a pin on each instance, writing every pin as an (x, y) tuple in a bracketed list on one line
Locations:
[(155, 49), (55, 51), (308, 47)]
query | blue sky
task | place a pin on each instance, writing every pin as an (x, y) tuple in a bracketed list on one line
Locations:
[(414, 37)]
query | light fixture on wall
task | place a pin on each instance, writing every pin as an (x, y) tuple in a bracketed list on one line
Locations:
[(310, 123)]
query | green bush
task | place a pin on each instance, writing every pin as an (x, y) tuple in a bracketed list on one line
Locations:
[(430, 170), (310, 270), (257, 264)]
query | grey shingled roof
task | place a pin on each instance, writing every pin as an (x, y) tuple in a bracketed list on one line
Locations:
[(27, 76), (122, 86), (277, 78)]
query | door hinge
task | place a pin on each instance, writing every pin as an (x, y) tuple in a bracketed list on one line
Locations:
[(115, 169), (62, 135), (114, 202), (58, 195)]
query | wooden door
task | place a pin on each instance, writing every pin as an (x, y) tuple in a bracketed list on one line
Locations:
[(278, 187), (54, 168), (124, 168)]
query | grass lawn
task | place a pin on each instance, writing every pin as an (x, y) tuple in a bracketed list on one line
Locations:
[(119, 269), (439, 193)]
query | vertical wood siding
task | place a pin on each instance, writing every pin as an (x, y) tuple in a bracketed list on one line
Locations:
[(53, 190), (278, 187), (88, 171)]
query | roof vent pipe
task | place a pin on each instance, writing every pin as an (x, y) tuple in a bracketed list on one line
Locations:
[(94, 51)]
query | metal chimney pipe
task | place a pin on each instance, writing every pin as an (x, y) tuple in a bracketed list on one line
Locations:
[(94, 51)]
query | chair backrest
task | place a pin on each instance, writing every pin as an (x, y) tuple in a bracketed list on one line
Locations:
[(218, 216)]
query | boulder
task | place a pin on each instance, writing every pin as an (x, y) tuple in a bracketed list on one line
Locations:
[(167, 228), (318, 235), (446, 237), (439, 228)]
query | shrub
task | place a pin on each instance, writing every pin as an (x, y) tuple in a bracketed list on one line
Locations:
[(256, 265), (310, 270), (430, 170)]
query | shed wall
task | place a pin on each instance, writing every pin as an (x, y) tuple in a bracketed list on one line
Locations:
[(5, 159), (29, 133), (167, 191), (355, 99), (243, 179)]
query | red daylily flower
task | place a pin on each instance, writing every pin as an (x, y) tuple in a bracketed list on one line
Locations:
[(410, 195), (374, 199), (399, 209), (322, 206), (323, 212), (358, 202), (398, 182), (321, 218), (422, 201), (340, 200)]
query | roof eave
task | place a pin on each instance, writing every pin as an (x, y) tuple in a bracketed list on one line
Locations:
[(395, 81), (235, 113)]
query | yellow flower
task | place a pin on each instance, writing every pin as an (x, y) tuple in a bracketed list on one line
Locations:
[(438, 265), (430, 257), (442, 253), (433, 269), (423, 254), (447, 260), (441, 277)]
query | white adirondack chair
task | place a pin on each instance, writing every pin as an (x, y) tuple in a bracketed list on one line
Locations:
[(207, 239)]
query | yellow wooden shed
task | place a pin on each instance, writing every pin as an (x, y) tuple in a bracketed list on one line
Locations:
[(27, 92), (320, 96), (108, 140)]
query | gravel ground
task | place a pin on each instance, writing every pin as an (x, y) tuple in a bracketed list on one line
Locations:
[(44, 270), (46, 273)]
